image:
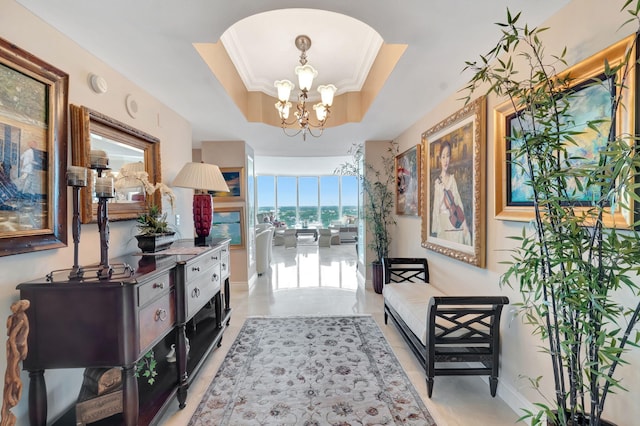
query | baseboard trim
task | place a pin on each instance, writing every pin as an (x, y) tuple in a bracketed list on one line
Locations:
[(510, 395)]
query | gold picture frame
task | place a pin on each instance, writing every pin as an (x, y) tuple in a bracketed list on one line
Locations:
[(505, 206), (119, 141), (228, 222), (33, 152), (234, 176), (408, 182), (453, 185)]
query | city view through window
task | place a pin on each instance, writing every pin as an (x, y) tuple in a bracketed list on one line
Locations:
[(301, 201)]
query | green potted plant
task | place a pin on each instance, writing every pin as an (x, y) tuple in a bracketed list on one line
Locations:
[(378, 183), (154, 231), (569, 263)]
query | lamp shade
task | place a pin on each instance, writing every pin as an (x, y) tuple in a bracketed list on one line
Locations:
[(131, 175), (321, 112), (201, 176), (327, 92), (283, 109), (306, 74), (284, 89)]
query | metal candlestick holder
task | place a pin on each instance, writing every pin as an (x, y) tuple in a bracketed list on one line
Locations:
[(104, 270), (76, 270), (76, 178)]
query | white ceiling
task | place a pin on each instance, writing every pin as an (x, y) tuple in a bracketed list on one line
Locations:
[(260, 67), (150, 42)]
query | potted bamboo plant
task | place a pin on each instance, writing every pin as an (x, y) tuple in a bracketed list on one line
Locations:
[(377, 182), (570, 261)]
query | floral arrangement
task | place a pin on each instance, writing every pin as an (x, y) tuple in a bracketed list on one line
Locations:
[(153, 221)]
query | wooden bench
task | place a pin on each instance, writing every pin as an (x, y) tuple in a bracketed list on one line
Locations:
[(452, 331)]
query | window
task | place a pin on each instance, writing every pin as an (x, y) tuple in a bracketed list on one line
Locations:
[(349, 198), (308, 212), (266, 197), (287, 200), (329, 200), (310, 200)]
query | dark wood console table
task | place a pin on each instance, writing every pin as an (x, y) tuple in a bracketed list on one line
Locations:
[(159, 300)]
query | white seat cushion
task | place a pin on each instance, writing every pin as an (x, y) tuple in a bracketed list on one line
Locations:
[(410, 301)]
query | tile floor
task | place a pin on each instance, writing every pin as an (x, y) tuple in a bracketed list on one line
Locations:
[(309, 280)]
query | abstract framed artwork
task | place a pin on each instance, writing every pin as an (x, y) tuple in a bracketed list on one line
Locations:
[(513, 200), (228, 222), (453, 182), (408, 193), (234, 176), (33, 152)]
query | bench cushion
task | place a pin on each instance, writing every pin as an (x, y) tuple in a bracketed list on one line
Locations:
[(410, 301)]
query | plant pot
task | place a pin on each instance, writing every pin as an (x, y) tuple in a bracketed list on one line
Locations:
[(582, 420), (377, 276), (155, 242)]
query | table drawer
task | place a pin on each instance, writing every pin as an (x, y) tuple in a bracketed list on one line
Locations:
[(200, 266), (154, 288), (225, 265), (225, 269), (156, 319), (200, 291)]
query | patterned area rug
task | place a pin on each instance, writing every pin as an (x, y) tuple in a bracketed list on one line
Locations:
[(311, 371)]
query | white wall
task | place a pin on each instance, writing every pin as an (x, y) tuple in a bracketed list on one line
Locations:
[(585, 27), (19, 26)]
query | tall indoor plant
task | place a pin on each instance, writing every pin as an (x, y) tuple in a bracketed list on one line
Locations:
[(377, 181), (569, 264)]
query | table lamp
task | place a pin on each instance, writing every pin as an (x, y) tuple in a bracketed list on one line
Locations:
[(202, 177)]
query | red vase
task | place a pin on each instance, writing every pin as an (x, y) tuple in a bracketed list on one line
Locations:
[(202, 214)]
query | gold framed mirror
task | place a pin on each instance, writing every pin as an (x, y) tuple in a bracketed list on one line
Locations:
[(126, 148)]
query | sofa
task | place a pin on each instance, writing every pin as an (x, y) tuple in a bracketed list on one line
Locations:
[(264, 242), (459, 333)]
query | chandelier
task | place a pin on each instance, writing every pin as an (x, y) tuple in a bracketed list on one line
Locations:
[(306, 73)]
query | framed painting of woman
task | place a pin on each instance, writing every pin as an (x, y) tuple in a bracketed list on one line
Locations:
[(453, 178)]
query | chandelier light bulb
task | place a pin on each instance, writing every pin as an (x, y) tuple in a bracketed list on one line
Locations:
[(305, 74), (326, 93), (283, 109), (321, 111), (284, 89)]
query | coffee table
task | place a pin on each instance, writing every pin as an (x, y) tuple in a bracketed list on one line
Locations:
[(307, 231)]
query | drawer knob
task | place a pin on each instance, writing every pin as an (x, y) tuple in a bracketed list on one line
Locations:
[(214, 277), (214, 257), (195, 293), (195, 268), (224, 266), (161, 315), (158, 285)]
